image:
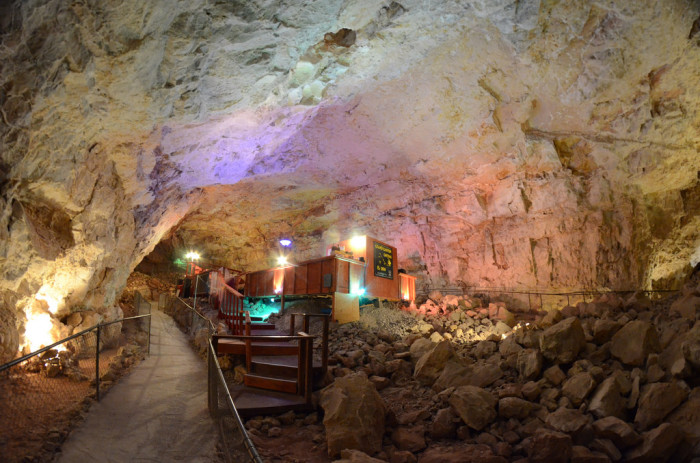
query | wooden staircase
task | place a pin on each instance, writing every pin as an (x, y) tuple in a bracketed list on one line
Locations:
[(281, 369)]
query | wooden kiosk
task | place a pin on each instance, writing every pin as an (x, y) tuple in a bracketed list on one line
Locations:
[(360, 266)]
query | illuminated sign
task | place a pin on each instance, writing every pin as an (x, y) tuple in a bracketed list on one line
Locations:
[(383, 261)]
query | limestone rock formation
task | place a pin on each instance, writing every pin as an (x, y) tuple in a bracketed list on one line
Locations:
[(594, 408), (474, 405), (503, 144), (656, 402), (431, 364), (354, 415), (634, 342), (562, 342)]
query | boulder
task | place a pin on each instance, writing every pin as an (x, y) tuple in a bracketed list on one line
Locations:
[(531, 390), (452, 375), (562, 342), (633, 343), (476, 406), (578, 387), (483, 374), (402, 456), (484, 349), (410, 439), (687, 418), (547, 446), (554, 375), (656, 401), (356, 456), (419, 347), (353, 415), (513, 407), (603, 330), (568, 420), (638, 301), (431, 364), (658, 445), (528, 337), (470, 453), (607, 399), (506, 316), (552, 316), (580, 454), (606, 447), (74, 319), (435, 295), (691, 346), (687, 306), (529, 363), (450, 300), (618, 431), (509, 346), (444, 424), (672, 359)]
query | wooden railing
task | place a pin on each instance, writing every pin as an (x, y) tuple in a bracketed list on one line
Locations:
[(305, 328), (304, 344), (228, 301)]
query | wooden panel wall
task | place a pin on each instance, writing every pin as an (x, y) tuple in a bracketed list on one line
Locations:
[(289, 280), (328, 268), (342, 273), (300, 279), (377, 286), (307, 278)]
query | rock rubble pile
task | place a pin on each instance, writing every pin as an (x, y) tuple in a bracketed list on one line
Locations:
[(606, 381)]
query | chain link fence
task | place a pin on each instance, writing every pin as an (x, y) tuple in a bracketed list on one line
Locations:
[(533, 300), (45, 393)]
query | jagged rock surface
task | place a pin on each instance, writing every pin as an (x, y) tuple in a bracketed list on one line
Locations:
[(520, 144), (591, 407)]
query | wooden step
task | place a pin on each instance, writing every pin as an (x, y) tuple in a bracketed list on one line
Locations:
[(262, 326), (266, 332), (278, 365), (271, 383), (252, 401), (237, 347)]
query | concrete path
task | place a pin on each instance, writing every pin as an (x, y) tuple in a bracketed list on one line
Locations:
[(157, 413)]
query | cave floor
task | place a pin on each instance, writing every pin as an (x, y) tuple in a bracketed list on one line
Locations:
[(156, 413)]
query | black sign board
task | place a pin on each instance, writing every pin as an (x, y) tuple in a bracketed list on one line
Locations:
[(383, 261)]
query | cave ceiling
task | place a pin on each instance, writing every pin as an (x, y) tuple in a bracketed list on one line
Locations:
[(522, 144)]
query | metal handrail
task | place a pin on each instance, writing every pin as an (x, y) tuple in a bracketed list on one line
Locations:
[(211, 325), (247, 442), (263, 337), (591, 293), (69, 338), (472, 289)]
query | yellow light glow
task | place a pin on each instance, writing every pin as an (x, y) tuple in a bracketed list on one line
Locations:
[(38, 331), (192, 255), (282, 260), (51, 301), (358, 243)]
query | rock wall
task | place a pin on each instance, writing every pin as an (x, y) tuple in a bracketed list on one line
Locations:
[(529, 144)]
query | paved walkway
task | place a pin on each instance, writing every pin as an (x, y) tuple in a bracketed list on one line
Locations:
[(156, 413)]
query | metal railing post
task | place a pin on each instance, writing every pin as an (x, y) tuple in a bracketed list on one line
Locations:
[(150, 320), (97, 364)]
